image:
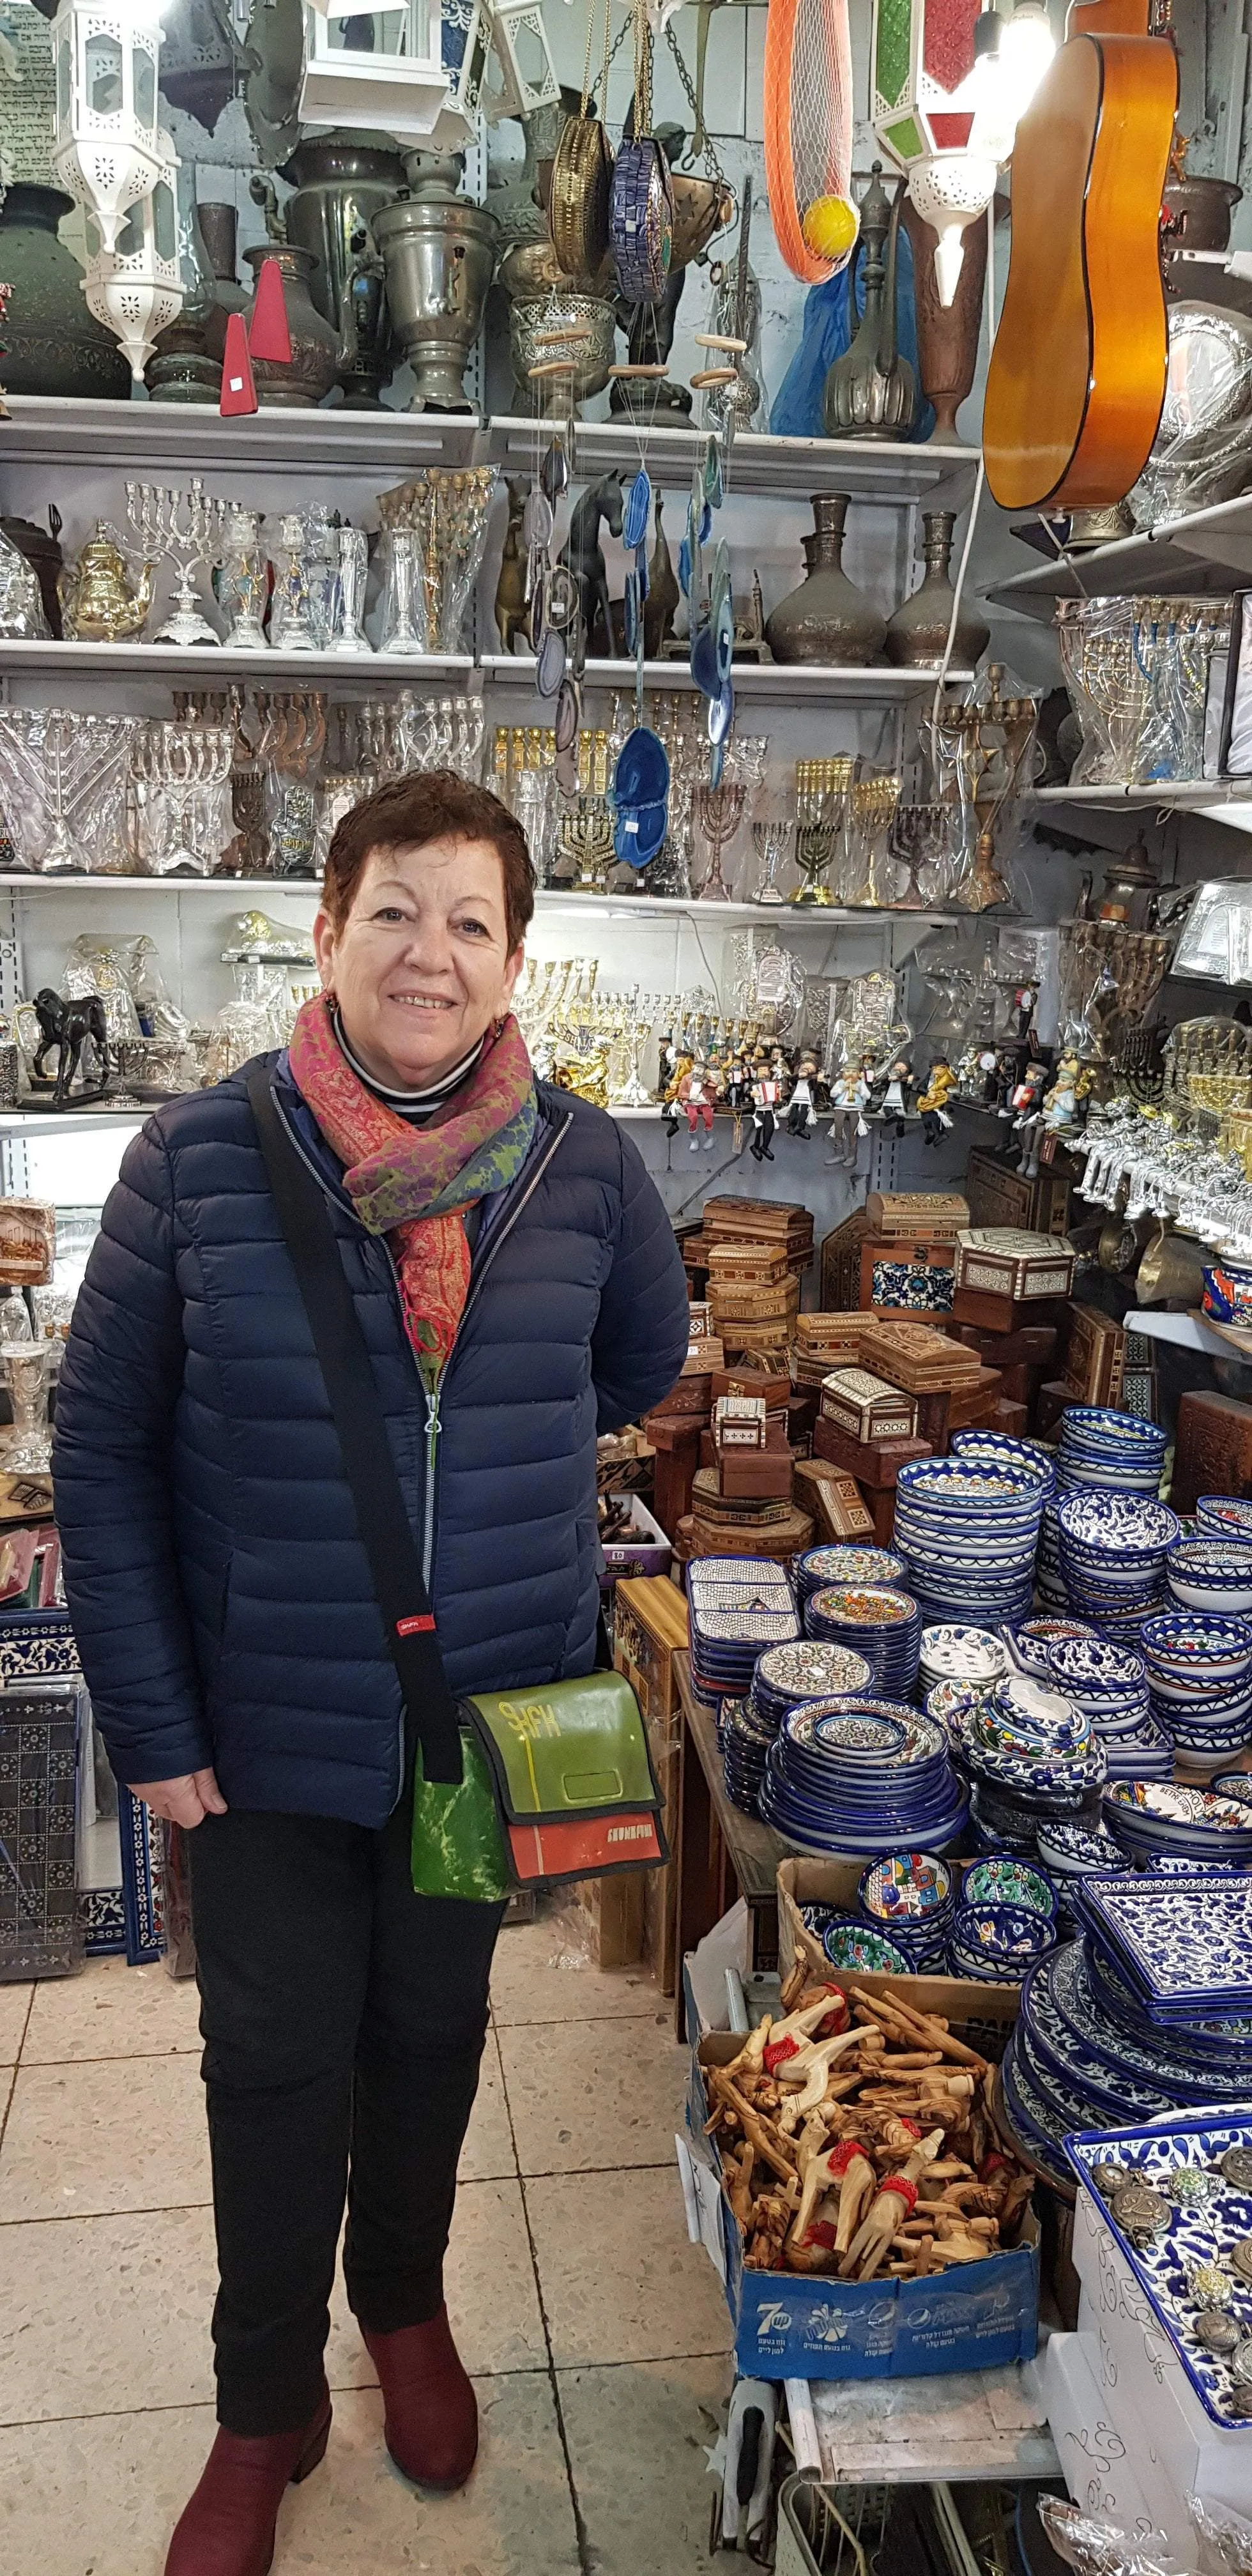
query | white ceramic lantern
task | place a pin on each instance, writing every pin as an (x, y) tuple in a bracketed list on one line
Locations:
[(400, 84), (136, 290), (108, 148)]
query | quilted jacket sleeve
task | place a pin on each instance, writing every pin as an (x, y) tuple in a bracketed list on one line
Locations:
[(119, 1387), (640, 1340)]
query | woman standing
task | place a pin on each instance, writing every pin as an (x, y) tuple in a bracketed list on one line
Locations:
[(519, 1290)]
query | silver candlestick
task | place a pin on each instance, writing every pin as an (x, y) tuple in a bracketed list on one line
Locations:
[(351, 636)]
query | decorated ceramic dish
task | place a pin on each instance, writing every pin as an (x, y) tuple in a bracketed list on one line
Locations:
[(808, 1669), (1001, 1880), (1186, 1948), (1177, 2198), (1211, 1573), (954, 1653), (1166, 1815), (906, 1886), (1204, 1641), (1230, 1514), (852, 1945), (823, 1565)]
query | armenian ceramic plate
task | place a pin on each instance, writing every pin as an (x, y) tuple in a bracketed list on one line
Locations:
[(1198, 2236)]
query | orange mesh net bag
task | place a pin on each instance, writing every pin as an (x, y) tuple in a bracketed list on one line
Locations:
[(808, 121)]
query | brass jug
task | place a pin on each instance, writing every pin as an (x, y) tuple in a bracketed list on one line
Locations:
[(870, 390), (99, 600)]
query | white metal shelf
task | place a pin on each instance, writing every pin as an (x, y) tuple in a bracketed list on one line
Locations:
[(57, 429), (27, 659), (548, 900), (1188, 795), (871, 469), (143, 437), (1205, 550), (876, 684)]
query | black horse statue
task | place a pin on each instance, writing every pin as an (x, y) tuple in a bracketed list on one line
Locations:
[(584, 554), (67, 1026)]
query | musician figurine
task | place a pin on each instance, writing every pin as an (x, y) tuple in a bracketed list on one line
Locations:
[(849, 1095), (933, 1107), (766, 1095), (802, 1108), (891, 1094), (697, 1092)]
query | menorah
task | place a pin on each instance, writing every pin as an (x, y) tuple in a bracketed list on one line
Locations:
[(189, 527)]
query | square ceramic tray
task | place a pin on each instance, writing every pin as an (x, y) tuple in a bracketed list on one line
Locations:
[(1194, 2235), (1184, 1941)]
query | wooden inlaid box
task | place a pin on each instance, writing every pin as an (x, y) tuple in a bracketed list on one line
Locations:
[(739, 1422), (1003, 1261), (868, 1407)]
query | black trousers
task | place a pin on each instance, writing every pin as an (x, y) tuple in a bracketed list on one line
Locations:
[(343, 2020)]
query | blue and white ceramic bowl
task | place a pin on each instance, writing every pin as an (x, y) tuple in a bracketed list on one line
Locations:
[(1002, 1937), (1208, 1643), (1162, 1815), (1001, 1880), (1229, 1515), (1030, 1459), (1031, 1643), (1211, 1573)]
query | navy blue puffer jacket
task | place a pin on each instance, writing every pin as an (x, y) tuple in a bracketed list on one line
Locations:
[(219, 1590)]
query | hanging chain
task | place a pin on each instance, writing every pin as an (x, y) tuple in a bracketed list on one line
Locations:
[(710, 149)]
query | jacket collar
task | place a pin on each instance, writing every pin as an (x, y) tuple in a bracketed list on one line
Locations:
[(330, 1170)]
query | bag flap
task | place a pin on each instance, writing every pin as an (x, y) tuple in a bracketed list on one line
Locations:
[(567, 1748)]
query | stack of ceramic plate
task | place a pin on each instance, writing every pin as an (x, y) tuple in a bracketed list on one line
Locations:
[(1199, 1667), (1210, 1573), (910, 1896), (1173, 1816), (822, 1565), (877, 1622), (998, 1942), (1186, 1955), (737, 1605), (1031, 1642), (745, 1737), (1031, 1754), (1113, 1553), (1084, 2054), (970, 1656), (1028, 1458), (1110, 1684), (1070, 1852), (1225, 1515), (1106, 1452), (856, 1777), (950, 1703), (968, 1535), (807, 1670)]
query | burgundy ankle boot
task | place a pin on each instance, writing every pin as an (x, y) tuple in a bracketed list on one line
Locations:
[(227, 2528), (431, 2410)]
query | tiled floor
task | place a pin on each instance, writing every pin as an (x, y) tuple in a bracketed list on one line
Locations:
[(597, 2336)]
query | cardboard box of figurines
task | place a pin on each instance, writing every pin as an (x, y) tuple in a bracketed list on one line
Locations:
[(872, 2222)]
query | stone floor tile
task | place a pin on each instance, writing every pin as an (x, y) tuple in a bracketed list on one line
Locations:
[(489, 2282), (105, 2312), (585, 2096), (537, 1975), (112, 2010), (619, 2278), (117, 2134), (637, 2435), (488, 2153), (14, 2007), (102, 2494)]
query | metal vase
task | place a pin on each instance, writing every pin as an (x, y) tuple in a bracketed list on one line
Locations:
[(342, 181), (439, 252)]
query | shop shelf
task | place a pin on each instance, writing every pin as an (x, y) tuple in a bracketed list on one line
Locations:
[(873, 685), (871, 469), (23, 659), (147, 437)]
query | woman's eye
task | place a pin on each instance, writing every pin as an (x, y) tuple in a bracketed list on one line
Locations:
[(389, 912), (479, 928)]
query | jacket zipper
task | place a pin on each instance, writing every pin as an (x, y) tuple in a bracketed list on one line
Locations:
[(433, 1394)]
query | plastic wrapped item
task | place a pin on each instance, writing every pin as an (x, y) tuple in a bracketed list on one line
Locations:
[(260, 1017), (446, 511), (96, 963), (1202, 452), (1098, 2548), (1227, 2536), (1137, 673), (1216, 943), (28, 1229), (21, 603), (63, 783)]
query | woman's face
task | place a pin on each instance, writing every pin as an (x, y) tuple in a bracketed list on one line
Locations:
[(422, 965)]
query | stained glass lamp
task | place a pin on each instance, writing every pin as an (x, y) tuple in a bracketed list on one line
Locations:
[(922, 53)]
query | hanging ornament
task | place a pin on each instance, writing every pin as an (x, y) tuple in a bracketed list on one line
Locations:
[(268, 334), (108, 151), (239, 392), (808, 131), (641, 200), (136, 290), (921, 55), (582, 176)]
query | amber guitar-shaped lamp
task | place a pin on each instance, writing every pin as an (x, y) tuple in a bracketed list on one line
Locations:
[(1077, 374)]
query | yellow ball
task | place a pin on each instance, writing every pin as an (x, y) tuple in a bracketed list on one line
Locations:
[(831, 226)]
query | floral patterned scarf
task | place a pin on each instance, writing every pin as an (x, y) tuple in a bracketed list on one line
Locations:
[(413, 1184)]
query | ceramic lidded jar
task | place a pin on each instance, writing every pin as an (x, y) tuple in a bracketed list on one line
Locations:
[(827, 619), (918, 632), (52, 344)]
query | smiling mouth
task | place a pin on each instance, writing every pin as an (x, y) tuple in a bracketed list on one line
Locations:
[(422, 1001)]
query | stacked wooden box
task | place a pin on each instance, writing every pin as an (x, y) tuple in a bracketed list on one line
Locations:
[(753, 1296)]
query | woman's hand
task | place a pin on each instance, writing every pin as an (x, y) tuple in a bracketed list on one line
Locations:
[(185, 1801)]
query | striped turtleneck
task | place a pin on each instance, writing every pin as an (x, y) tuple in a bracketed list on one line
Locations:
[(414, 1105)]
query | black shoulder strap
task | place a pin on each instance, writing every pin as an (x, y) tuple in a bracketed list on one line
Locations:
[(359, 1420)]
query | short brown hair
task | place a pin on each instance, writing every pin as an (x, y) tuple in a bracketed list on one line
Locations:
[(429, 805)]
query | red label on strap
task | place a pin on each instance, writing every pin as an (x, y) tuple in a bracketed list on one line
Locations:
[(420, 1624)]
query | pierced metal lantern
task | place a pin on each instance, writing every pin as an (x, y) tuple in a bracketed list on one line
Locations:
[(921, 53), (136, 290), (108, 150), (402, 83)]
